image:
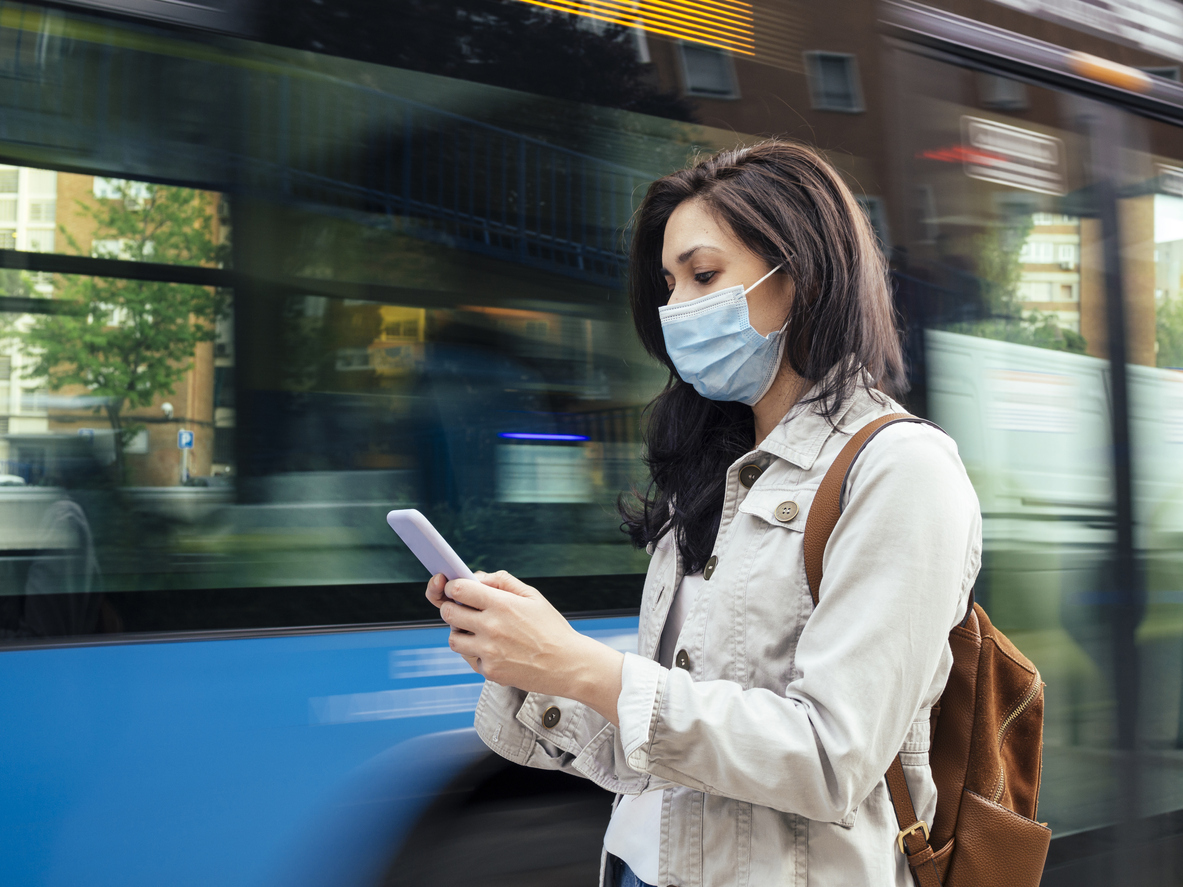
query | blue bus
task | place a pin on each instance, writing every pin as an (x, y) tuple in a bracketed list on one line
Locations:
[(360, 256)]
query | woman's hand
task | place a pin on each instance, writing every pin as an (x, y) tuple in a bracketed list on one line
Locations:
[(508, 632)]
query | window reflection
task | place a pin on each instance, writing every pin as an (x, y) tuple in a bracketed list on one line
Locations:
[(1008, 273), (1156, 395), (1004, 266), (1168, 272)]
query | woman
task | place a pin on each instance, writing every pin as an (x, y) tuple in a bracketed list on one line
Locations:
[(748, 737)]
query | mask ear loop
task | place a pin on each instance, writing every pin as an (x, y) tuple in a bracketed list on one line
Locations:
[(780, 348), (764, 278)]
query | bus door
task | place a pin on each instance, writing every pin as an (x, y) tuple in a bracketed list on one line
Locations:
[(1038, 209)]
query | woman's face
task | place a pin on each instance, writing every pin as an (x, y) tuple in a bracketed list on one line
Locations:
[(700, 256)]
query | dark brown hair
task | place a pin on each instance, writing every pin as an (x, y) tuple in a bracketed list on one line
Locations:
[(787, 205)]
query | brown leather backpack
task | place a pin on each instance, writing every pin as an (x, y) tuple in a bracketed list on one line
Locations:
[(987, 740)]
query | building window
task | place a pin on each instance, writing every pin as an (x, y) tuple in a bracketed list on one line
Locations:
[(138, 445), (5, 368), (33, 400), (43, 181), (1035, 291), (9, 180), (1001, 93), (42, 211), (3, 425), (41, 241), (409, 329), (1067, 253), (107, 189), (7, 239), (1037, 252), (223, 388), (352, 359), (708, 72), (223, 446), (1053, 219), (833, 81), (134, 194), (1166, 73), (224, 337), (877, 215)]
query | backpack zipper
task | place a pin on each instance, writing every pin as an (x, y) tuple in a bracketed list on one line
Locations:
[(1032, 692)]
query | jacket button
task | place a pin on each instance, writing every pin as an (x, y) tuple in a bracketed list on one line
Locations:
[(786, 511), (551, 717), (682, 660), (749, 473), (709, 570)]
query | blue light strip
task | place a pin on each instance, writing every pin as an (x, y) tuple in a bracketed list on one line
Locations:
[(527, 435)]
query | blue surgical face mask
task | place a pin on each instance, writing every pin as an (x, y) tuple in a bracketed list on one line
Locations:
[(716, 349)]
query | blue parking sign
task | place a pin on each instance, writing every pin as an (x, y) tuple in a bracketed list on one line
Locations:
[(185, 439)]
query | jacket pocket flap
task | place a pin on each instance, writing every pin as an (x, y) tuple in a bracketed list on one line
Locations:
[(781, 508)]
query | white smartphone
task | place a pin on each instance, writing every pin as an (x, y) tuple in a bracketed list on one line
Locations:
[(427, 544)]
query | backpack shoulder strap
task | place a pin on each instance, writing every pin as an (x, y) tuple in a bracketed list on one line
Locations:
[(823, 517), (827, 502)]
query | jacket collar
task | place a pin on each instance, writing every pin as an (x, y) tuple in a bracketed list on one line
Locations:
[(804, 430)]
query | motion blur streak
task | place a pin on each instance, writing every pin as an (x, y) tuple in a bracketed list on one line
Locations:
[(721, 25), (384, 705)]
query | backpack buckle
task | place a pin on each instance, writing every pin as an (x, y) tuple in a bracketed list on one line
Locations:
[(920, 824)]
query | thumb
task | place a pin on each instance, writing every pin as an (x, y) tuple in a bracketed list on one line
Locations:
[(507, 582)]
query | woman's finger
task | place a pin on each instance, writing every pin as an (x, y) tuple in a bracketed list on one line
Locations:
[(508, 582), (472, 594), (435, 589), (460, 616), (464, 644), (474, 663)]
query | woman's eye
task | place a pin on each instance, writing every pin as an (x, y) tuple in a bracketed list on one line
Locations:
[(704, 276)]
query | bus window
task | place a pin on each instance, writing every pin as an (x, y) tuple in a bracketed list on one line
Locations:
[(1002, 279), (1151, 252), (410, 293)]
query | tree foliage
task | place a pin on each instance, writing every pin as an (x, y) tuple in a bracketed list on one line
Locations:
[(1168, 332), (17, 284), (128, 342), (1000, 272), (1033, 328)]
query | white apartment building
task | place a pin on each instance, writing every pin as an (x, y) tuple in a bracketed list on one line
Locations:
[(28, 215), (1050, 278)]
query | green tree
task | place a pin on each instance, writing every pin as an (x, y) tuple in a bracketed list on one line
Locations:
[(1034, 328), (13, 284), (1168, 333), (999, 267), (129, 341), (1000, 273)]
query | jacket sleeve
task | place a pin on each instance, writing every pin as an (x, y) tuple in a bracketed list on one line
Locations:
[(898, 570), (583, 742)]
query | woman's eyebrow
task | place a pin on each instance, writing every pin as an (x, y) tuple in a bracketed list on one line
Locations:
[(685, 257)]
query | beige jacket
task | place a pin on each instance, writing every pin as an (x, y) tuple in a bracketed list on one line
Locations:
[(771, 742)]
